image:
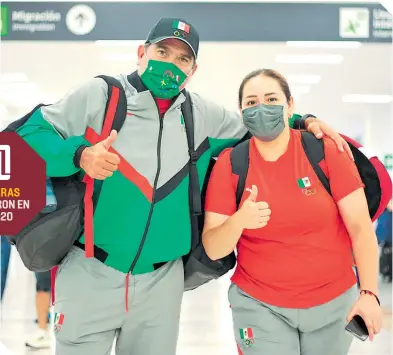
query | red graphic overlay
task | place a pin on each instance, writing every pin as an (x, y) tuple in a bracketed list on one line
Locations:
[(22, 183)]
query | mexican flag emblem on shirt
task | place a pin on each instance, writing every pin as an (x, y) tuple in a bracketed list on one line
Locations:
[(179, 25), (304, 182)]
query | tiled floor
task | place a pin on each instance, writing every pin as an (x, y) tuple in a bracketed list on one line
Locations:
[(206, 326)]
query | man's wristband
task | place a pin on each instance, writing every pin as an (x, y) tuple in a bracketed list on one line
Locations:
[(367, 292), (78, 155), (304, 118)]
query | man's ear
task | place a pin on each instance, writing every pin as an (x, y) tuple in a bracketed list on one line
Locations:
[(189, 77), (140, 53), (194, 69)]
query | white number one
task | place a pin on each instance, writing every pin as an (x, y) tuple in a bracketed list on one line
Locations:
[(7, 162)]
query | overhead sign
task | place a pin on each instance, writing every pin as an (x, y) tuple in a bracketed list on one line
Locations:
[(65, 21), (22, 183), (81, 19), (357, 23)]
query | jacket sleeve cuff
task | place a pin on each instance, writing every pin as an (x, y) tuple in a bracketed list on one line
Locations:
[(78, 155), (294, 121), (299, 122)]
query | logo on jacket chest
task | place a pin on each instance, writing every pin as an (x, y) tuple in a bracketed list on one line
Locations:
[(182, 123)]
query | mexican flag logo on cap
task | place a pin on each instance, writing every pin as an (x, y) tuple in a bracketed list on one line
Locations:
[(179, 25)]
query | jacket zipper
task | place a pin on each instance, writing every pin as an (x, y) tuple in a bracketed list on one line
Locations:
[(138, 254)]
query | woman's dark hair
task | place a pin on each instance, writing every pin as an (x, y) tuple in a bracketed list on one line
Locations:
[(270, 73)]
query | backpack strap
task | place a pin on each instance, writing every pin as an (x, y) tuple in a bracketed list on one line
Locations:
[(315, 152), (195, 194), (116, 106), (13, 126), (115, 115), (240, 162)]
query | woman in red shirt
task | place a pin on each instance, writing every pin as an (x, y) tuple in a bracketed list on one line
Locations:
[(294, 287)]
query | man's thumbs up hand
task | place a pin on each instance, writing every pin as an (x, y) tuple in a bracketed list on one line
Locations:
[(108, 142), (97, 161)]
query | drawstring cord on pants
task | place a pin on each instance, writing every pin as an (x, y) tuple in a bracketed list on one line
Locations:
[(53, 273)]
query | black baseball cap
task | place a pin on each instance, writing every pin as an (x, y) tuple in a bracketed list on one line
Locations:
[(175, 28)]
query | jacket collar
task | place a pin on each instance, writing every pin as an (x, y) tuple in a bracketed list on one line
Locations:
[(135, 80)]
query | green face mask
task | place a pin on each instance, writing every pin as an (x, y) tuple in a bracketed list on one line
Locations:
[(163, 79)]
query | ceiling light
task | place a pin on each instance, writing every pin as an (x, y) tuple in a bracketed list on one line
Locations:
[(121, 56), (309, 58), (325, 44), (17, 86), (12, 77), (103, 43), (300, 89), (303, 78), (297, 98), (369, 99), (25, 99)]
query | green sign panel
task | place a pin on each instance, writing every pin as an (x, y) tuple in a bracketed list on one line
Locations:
[(4, 21), (388, 161)]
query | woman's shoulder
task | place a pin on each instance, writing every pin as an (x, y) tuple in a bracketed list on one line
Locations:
[(327, 141), (223, 162), (225, 155), (330, 146)]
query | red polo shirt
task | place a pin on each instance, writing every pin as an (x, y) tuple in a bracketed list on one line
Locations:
[(303, 257)]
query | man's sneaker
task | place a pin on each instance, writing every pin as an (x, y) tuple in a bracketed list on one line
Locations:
[(40, 340)]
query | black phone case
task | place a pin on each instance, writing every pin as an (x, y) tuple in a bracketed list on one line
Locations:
[(358, 328)]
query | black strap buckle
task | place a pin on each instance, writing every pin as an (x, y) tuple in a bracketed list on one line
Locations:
[(193, 157)]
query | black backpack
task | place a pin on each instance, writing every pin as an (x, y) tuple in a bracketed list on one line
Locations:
[(378, 185), (44, 242), (198, 267)]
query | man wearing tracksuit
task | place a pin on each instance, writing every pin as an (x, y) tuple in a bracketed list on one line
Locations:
[(145, 164)]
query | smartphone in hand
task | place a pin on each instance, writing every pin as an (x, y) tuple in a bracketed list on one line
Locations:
[(357, 327)]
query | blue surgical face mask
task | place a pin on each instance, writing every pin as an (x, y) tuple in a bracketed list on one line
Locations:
[(265, 122)]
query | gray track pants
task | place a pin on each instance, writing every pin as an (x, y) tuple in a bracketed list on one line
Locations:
[(90, 303), (264, 329)]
